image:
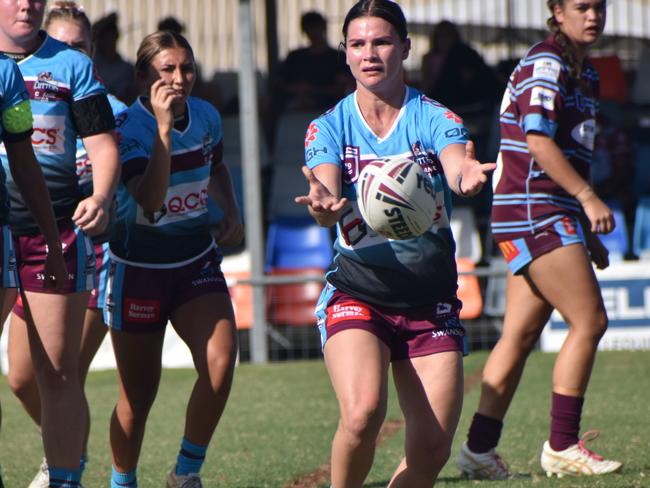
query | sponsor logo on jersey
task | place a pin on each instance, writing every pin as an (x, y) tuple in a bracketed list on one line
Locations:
[(312, 152), (49, 134), (183, 202), (351, 164), (141, 311), (45, 88), (542, 97), (452, 116), (310, 136), (569, 226), (585, 133), (423, 158), (341, 312), (547, 69)]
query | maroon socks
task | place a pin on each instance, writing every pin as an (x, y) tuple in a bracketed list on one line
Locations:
[(484, 433), (565, 421)]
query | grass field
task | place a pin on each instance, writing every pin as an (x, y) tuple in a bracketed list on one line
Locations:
[(280, 419)]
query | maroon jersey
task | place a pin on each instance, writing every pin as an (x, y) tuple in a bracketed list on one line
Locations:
[(541, 97)]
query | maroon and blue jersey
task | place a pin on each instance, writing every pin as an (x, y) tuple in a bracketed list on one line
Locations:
[(396, 273), (542, 98)]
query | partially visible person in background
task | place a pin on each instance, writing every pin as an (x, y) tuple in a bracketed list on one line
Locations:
[(314, 77), (66, 22), (117, 73), (545, 219)]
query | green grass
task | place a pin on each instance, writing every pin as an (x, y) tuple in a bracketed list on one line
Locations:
[(281, 417)]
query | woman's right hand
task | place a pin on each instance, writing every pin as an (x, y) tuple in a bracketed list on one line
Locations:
[(161, 98), (323, 205), (599, 214)]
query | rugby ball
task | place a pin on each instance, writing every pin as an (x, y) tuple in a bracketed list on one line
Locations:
[(397, 198)]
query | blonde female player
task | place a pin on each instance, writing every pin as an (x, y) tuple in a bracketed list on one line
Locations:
[(68, 23), (165, 265), (16, 129), (541, 190), (389, 302), (67, 102)]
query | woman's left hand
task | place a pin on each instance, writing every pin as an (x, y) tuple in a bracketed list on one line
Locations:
[(473, 173), (230, 230), (597, 251)]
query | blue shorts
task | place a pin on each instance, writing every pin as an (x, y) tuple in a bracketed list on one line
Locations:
[(140, 299), (408, 333), (9, 270), (520, 252)]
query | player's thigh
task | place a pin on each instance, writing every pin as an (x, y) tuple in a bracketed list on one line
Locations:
[(430, 390), (357, 362), (526, 310), (93, 334), (139, 363), (207, 325), (566, 279), (18, 353)]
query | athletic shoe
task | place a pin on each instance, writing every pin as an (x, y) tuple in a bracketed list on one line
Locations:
[(192, 480), (576, 459), (42, 478), (481, 466)]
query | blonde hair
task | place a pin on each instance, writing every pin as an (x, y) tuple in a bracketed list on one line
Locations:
[(67, 10)]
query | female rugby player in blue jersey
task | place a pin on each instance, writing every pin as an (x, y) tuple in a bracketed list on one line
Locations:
[(66, 22), (389, 302), (16, 129), (542, 190), (67, 101), (165, 265)]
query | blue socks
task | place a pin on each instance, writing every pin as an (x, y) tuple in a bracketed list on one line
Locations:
[(190, 458), (123, 480), (64, 478)]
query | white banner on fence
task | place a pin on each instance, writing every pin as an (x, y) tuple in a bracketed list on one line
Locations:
[(175, 353), (626, 292)]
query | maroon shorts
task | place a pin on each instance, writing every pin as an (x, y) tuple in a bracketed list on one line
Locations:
[(140, 299), (408, 333), (79, 257)]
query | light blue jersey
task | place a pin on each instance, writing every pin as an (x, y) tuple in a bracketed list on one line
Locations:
[(398, 273), (56, 76), (180, 230), (12, 95)]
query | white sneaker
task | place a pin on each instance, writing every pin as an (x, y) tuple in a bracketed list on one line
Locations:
[(481, 466), (42, 478), (192, 480), (576, 460)]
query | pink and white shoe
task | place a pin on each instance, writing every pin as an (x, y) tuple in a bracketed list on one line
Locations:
[(576, 460)]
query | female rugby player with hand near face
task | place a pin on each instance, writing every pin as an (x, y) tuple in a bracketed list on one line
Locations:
[(389, 302), (165, 265), (541, 193)]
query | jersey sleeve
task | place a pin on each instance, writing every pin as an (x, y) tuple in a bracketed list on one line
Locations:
[(447, 128), (86, 79), (538, 91), (320, 145)]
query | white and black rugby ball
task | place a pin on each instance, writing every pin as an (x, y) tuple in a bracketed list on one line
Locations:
[(397, 198)]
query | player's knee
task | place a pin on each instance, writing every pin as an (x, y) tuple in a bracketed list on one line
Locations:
[(20, 384), (362, 422)]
